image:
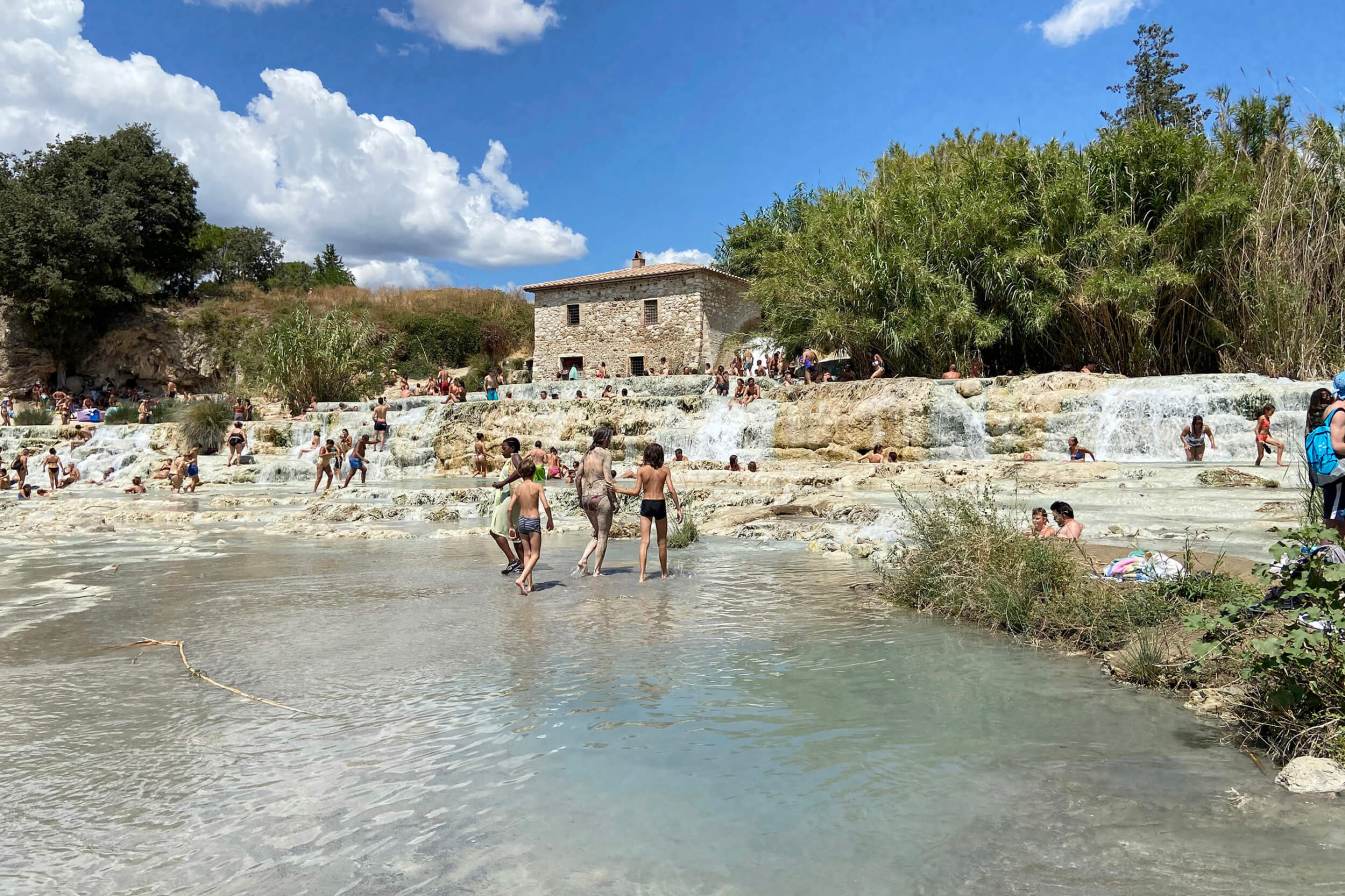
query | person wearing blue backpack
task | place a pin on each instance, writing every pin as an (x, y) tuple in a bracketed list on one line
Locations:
[(1324, 446)]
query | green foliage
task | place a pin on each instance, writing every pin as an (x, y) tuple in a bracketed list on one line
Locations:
[(232, 254), (291, 276), (1294, 674), (90, 226), (33, 417), (329, 269), (684, 535), (428, 341), (202, 423), (1153, 249), (1153, 94), (1145, 660), (122, 414), (337, 356)]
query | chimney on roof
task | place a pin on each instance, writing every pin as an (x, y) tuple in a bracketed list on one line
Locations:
[(637, 261)]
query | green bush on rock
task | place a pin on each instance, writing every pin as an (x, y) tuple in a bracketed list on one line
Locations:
[(337, 356)]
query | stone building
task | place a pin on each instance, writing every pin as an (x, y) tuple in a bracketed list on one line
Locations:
[(633, 317)]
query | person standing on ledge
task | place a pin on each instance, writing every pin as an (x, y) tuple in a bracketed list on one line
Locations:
[(1069, 528), (1193, 438), (381, 423)]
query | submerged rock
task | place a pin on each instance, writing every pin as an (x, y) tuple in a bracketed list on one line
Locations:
[(1310, 774)]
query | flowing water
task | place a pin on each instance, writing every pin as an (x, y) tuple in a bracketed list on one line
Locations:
[(753, 725)]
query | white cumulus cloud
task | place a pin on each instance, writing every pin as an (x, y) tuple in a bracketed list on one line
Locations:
[(409, 273), (298, 161), (682, 256), (1081, 18), (476, 24)]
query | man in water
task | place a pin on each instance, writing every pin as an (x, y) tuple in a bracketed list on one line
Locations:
[(875, 456), (358, 461), (1068, 527), (136, 487), (1077, 452), (1193, 438), (678, 455), (380, 424), (952, 373)]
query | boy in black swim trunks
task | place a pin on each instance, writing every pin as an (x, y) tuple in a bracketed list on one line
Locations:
[(381, 423), (653, 483)]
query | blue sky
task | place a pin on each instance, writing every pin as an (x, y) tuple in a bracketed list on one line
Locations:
[(628, 124)]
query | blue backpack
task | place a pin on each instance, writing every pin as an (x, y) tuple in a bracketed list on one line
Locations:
[(1324, 467)]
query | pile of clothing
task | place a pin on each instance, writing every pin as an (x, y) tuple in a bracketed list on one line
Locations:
[(1144, 566)]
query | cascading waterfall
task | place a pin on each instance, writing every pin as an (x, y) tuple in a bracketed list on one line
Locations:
[(410, 447), (1142, 419), (957, 425), (118, 449), (720, 429)]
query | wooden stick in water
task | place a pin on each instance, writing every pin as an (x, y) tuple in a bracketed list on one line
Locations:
[(197, 673)]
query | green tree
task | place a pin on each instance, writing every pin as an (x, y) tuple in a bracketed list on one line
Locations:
[(292, 276), (329, 269), (1153, 93), (744, 247), (90, 226), (233, 254)]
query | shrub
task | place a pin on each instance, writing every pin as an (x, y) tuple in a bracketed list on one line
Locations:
[(969, 559), (337, 356), (1294, 674), (427, 341), (203, 423), (121, 414), (33, 417), (685, 535)]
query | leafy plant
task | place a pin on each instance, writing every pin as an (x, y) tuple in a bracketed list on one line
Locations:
[(121, 414), (684, 536), (1287, 647), (33, 417), (338, 356), (203, 423)]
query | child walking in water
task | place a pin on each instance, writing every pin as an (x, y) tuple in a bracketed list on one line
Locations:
[(1264, 438), (526, 497), (326, 454), (653, 483)]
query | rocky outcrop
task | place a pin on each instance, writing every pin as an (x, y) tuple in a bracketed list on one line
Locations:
[(150, 347)]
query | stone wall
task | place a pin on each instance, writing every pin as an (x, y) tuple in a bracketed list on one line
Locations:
[(696, 311)]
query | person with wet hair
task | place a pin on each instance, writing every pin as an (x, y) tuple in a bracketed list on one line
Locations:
[(1069, 528)]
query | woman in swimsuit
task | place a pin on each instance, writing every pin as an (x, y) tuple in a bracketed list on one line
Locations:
[(1193, 438), (593, 485), (236, 441), (193, 469), (653, 483), (479, 465), (53, 466), (1264, 438), (1077, 452), (879, 367)]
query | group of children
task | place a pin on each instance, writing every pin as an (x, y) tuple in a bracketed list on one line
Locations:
[(516, 521), (333, 454)]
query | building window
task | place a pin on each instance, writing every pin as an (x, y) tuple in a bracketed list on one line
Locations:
[(651, 311), (637, 365), (572, 315)]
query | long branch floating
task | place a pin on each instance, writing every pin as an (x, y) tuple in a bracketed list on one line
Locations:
[(197, 673)]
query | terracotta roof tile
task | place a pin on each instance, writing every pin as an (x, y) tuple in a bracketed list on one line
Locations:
[(650, 270)]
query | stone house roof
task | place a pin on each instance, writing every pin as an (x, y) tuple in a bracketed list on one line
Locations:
[(632, 273)]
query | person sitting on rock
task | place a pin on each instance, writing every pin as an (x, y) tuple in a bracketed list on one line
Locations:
[(1069, 529)]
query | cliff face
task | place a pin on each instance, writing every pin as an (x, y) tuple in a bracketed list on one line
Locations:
[(151, 347)]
